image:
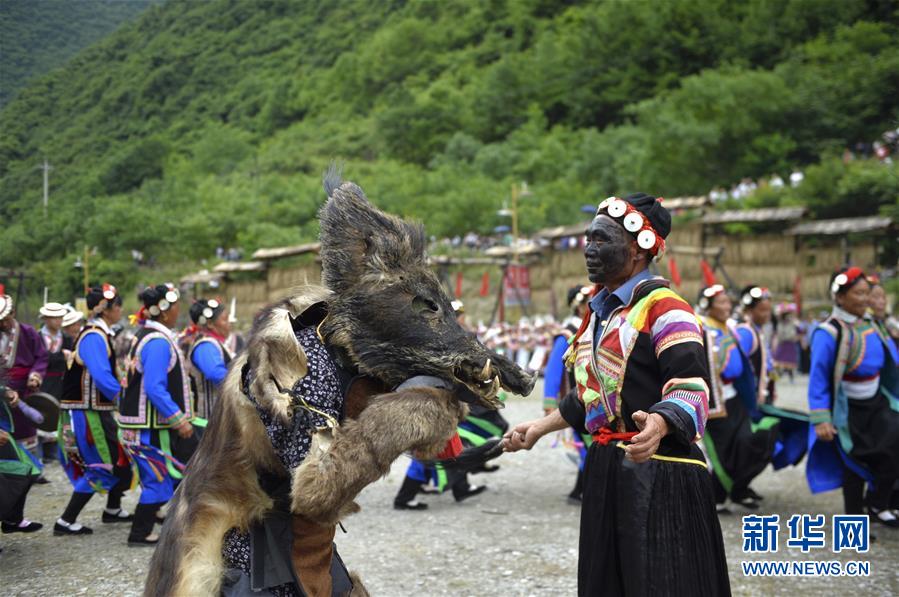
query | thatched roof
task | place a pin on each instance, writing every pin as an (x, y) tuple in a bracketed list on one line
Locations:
[(768, 214), (201, 277), (227, 267), (842, 226), (686, 202), (290, 251), (563, 231)]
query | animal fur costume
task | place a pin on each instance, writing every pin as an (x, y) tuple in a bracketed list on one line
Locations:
[(382, 318)]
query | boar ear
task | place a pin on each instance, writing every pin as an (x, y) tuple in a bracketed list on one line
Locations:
[(358, 240)]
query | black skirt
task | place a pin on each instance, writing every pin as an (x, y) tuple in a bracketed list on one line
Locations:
[(874, 429), (742, 452), (648, 529)]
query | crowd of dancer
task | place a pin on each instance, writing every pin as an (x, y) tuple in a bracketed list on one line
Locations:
[(123, 421)]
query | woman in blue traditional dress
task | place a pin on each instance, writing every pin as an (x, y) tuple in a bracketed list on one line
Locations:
[(853, 389), (90, 451), (738, 447)]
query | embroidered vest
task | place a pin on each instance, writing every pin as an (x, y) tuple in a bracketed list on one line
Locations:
[(135, 408), (204, 390), (78, 389), (599, 373)]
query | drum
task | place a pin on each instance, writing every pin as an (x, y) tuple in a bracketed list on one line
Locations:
[(48, 406)]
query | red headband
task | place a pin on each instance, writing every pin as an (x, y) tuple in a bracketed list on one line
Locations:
[(846, 279)]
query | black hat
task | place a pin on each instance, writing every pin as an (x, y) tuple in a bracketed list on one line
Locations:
[(578, 295), (101, 297), (652, 208), (159, 298), (752, 295), (643, 216), (708, 294), (204, 311)]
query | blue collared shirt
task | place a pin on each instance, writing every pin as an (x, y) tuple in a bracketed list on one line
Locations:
[(604, 302)]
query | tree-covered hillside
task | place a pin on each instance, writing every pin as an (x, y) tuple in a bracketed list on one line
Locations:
[(39, 35), (207, 124)]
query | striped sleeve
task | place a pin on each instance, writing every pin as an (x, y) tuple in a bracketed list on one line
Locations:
[(672, 322), (677, 339)]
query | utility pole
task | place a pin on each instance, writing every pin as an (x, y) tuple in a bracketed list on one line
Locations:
[(46, 167)]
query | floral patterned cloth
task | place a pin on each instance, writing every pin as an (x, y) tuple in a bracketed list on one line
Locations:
[(320, 388)]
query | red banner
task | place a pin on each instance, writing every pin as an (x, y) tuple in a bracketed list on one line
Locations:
[(708, 276), (485, 284), (674, 272), (458, 284), (517, 286)]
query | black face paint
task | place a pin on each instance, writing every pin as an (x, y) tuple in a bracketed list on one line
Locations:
[(607, 250)]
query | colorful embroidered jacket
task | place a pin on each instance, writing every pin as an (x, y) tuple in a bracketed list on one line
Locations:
[(730, 373), (851, 358), (650, 357), (90, 381), (155, 397), (209, 358)]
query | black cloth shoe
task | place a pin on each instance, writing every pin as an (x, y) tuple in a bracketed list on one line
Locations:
[(469, 492), (42, 480), (413, 505), (142, 541), (28, 527), (750, 493), (892, 522), (120, 516), (59, 530)]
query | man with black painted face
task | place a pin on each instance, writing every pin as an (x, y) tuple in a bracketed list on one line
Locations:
[(648, 523)]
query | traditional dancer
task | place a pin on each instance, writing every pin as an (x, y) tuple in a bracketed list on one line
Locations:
[(24, 358), (208, 352), (59, 347), (72, 323), (156, 402), (738, 448), (90, 453), (19, 469), (792, 426), (853, 385), (877, 303), (648, 522)]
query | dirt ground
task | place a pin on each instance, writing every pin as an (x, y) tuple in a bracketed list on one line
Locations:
[(517, 538)]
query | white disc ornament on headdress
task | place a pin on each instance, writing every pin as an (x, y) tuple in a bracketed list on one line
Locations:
[(646, 239), (633, 222), (617, 207)]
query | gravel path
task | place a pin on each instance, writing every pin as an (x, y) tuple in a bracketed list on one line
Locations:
[(518, 538)]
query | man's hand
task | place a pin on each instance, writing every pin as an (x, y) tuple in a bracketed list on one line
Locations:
[(825, 431), (523, 436), (12, 397), (34, 381), (653, 428), (4, 437), (185, 429)]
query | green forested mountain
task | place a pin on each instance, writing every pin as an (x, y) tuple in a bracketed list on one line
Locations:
[(206, 124), (39, 35)]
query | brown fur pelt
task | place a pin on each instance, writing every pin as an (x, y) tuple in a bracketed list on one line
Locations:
[(326, 483)]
